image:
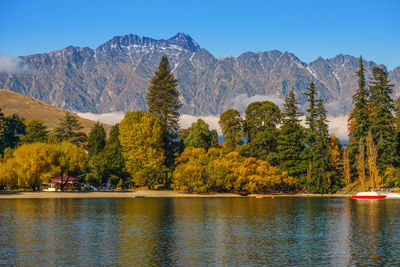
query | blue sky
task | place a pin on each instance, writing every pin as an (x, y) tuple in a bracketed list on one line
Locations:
[(306, 28)]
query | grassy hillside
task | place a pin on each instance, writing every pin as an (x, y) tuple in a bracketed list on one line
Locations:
[(29, 108)]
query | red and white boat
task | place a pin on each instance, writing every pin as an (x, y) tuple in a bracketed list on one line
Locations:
[(369, 195)]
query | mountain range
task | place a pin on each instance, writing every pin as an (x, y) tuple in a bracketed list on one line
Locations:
[(115, 76)]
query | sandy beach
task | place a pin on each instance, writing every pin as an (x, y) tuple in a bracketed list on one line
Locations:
[(144, 194)]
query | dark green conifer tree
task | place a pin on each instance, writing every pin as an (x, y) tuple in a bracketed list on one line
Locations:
[(68, 129), (96, 140), (163, 101), (112, 159), (397, 123), (382, 119), (321, 171), (311, 117), (291, 140), (359, 117)]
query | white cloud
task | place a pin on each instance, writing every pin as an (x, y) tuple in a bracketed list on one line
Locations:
[(106, 118), (13, 65), (338, 126), (241, 102), (339, 106)]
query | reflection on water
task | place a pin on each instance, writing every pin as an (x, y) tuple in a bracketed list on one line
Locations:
[(199, 231)]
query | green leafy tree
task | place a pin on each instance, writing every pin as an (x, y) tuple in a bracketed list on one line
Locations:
[(35, 132), (260, 127), (108, 164), (199, 136), (163, 101), (68, 129), (214, 138), (232, 128), (11, 128), (382, 119), (291, 140)]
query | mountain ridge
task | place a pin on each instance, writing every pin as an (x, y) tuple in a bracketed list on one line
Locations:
[(115, 76)]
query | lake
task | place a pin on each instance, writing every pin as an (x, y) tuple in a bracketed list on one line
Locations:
[(200, 231)]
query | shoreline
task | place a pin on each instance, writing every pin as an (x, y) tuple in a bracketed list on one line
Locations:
[(151, 194)]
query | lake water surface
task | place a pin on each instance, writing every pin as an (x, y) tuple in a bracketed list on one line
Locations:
[(200, 231)]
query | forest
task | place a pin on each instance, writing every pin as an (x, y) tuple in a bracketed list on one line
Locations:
[(265, 149)]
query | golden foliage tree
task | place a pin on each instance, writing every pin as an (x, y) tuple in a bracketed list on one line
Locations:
[(141, 136), (70, 159), (200, 171), (32, 164)]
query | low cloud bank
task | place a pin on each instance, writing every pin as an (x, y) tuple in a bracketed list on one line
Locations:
[(13, 65), (106, 118), (337, 124)]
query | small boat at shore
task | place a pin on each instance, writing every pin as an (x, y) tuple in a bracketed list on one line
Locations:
[(369, 195)]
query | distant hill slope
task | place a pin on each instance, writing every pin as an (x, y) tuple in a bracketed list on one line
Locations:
[(30, 109), (115, 76)]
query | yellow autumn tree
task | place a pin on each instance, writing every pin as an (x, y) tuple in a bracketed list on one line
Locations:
[(32, 164), (8, 176), (191, 173), (70, 159), (141, 136), (198, 171)]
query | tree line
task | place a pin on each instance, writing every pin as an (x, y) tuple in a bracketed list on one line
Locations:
[(264, 150)]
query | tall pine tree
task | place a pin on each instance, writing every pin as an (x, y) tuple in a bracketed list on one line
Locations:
[(96, 140), (382, 119), (359, 118), (321, 172), (311, 117), (291, 140), (68, 129), (163, 101)]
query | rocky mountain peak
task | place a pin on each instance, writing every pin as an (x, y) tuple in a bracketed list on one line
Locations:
[(184, 41), (116, 75)]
